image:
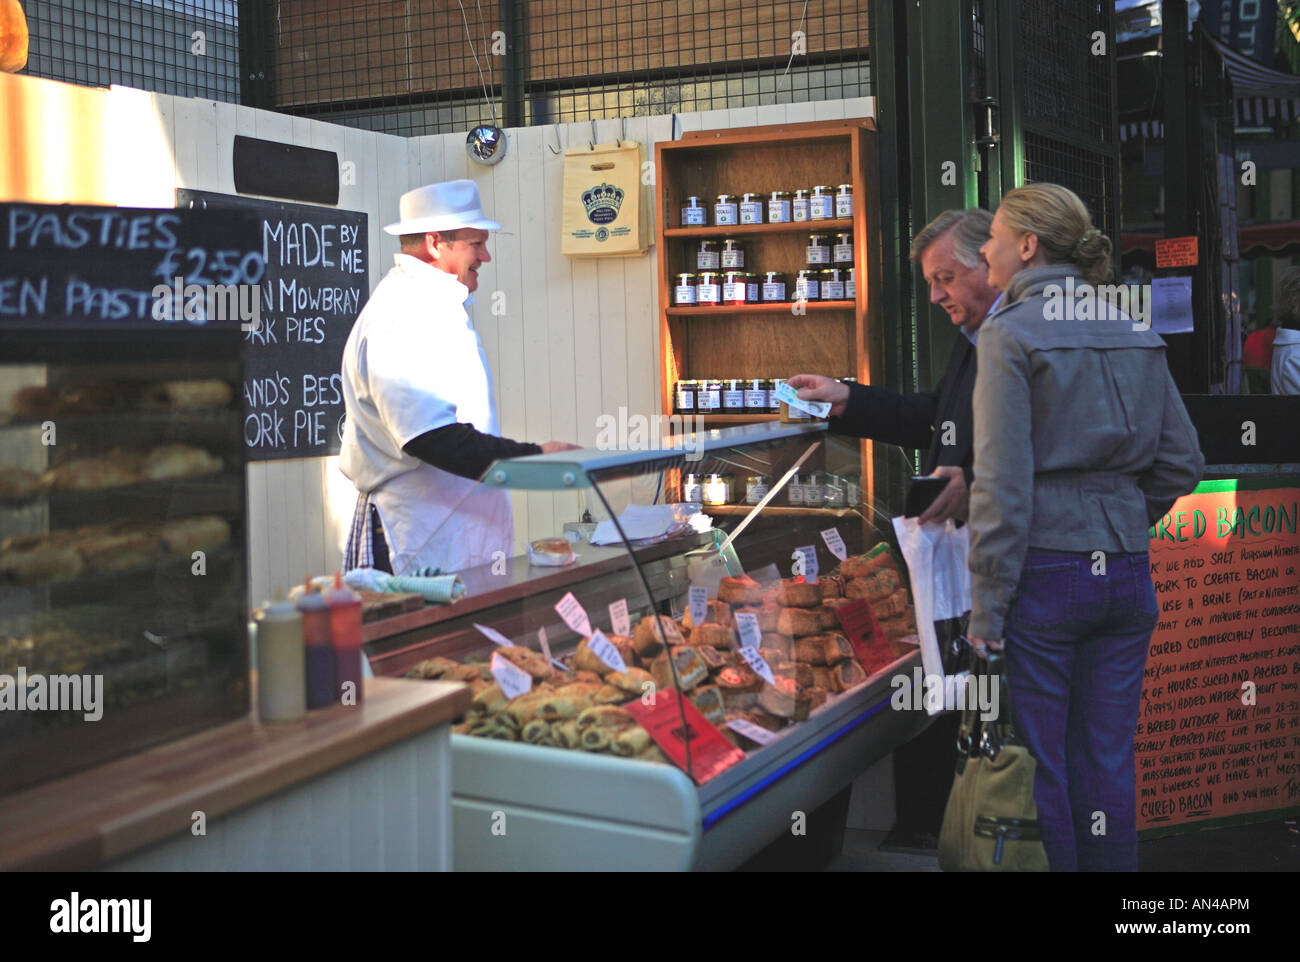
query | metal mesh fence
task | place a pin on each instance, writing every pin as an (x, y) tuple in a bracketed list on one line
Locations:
[(187, 47)]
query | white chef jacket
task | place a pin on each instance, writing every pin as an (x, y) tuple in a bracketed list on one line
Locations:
[(1285, 374), (413, 363)]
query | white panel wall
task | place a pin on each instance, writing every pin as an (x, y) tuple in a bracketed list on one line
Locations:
[(567, 339)]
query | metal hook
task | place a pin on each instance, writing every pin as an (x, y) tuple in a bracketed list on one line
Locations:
[(591, 144), (556, 128)]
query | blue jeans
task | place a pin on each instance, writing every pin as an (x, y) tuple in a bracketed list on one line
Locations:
[(1076, 647)]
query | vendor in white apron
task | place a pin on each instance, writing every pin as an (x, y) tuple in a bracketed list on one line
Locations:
[(421, 423)]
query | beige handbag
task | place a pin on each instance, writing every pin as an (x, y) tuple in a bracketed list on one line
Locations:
[(604, 210)]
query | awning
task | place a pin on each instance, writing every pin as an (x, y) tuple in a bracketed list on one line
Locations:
[(1254, 240)]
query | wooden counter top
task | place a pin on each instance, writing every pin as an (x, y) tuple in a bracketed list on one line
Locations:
[(83, 820)]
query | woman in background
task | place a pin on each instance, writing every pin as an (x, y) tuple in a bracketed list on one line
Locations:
[(1081, 443), (1285, 366)]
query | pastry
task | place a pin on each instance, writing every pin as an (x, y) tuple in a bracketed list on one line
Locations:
[(566, 734), (810, 650), (708, 699), (826, 617), (800, 674), (93, 474), (584, 659), (778, 642), (460, 673), (171, 461), (738, 678), (649, 638), (605, 716), (566, 702), (832, 586), (524, 709), (712, 658), (894, 604), (18, 484), (817, 697), (768, 614), (771, 655), (654, 754), (609, 695), (551, 553), (691, 669), (430, 667), (719, 613), (880, 584), (530, 661), (821, 678), (462, 728), (797, 593), (632, 681), (630, 741), (202, 533), (186, 395), (739, 700), (119, 548), (836, 648), (797, 622), (537, 732), (847, 674), (785, 700), (626, 648), (713, 635), (741, 590)]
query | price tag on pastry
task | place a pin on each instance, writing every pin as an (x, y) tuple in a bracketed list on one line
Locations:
[(751, 636), (834, 543), (574, 615), (604, 649), (699, 596), (514, 681), (805, 563), (545, 645), (494, 636), (756, 661), (818, 409), (619, 621), (755, 733), (711, 753)]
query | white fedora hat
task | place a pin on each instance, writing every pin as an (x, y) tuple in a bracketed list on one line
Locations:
[(447, 206)]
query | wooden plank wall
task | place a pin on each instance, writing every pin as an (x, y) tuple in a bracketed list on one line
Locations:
[(573, 339)]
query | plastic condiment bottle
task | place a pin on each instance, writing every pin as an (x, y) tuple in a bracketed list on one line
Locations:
[(345, 639), (319, 653), (281, 687)]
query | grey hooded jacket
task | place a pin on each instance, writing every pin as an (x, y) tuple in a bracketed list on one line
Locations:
[(1081, 439)]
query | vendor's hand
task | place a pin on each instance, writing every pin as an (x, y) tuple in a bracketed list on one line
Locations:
[(983, 645), (551, 447), (817, 387), (953, 501)]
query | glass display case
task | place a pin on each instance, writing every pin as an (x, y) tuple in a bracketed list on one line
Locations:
[(681, 675)]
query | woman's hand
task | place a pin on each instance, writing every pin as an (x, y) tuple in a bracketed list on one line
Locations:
[(983, 645), (817, 387)]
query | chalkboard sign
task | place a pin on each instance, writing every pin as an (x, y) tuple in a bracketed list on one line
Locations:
[(1219, 730), (79, 267), (317, 279)]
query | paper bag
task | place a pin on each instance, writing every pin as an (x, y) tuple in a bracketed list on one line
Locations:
[(604, 210)]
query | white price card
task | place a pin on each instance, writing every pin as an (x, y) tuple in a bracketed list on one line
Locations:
[(514, 681), (834, 543), (747, 625), (819, 409), (604, 649), (545, 645), (757, 662), (494, 636), (699, 596), (805, 563), (755, 733), (573, 614), (619, 621)]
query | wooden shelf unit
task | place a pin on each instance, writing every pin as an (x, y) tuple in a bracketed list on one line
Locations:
[(838, 338)]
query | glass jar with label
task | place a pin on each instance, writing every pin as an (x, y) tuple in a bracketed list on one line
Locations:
[(708, 257), (773, 405), (708, 397), (778, 207), (733, 255), (794, 491), (756, 394), (819, 250), (843, 250), (832, 284), (853, 489), (772, 286), (708, 289), (806, 287), (726, 212), (718, 489), (821, 205), (735, 290), (751, 208), (694, 213), (692, 490), (844, 200), (833, 491), (733, 396), (684, 398), (756, 488), (814, 495), (850, 285), (799, 206), (684, 291)]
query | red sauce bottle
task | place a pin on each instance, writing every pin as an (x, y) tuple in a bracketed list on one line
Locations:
[(345, 640)]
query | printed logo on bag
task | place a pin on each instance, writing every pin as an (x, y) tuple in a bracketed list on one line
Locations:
[(602, 203)]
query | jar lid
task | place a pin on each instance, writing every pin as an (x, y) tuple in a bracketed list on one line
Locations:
[(748, 194), (733, 275), (730, 243), (708, 277), (844, 237), (769, 275), (800, 192), (813, 237), (707, 243), (806, 271), (831, 273), (685, 276), (819, 188), (780, 193), (845, 187), (756, 479), (724, 198)]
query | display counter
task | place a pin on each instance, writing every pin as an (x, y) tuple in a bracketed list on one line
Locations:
[(538, 785), (361, 787)]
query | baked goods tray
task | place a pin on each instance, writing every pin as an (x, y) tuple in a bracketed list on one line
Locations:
[(146, 501), (173, 570)]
